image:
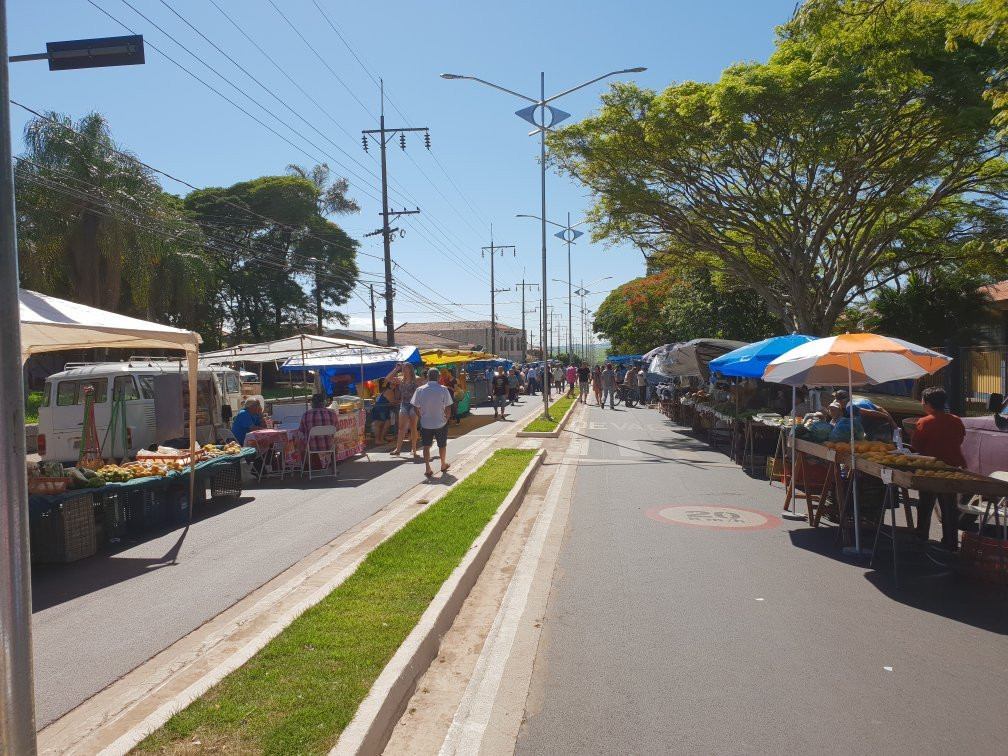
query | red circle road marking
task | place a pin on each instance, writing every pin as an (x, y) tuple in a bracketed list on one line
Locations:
[(713, 516)]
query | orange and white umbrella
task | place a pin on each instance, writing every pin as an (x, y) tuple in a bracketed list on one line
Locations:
[(855, 359)]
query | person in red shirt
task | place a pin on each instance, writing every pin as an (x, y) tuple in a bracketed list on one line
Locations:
[(939, 434)]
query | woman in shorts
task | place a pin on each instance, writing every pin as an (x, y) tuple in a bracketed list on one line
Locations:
[(404, 377), (381, 413)]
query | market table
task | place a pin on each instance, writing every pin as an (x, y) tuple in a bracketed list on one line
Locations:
[(350, 439)]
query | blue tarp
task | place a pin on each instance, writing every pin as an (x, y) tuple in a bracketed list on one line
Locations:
[(625, 359), (367, 364), (751, 360), (478, 366)]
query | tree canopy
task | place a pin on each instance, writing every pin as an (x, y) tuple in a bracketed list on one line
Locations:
[(857, 153)]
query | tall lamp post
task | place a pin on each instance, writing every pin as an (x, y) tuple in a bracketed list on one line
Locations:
[(569, 235), (541, 127), (582, 292), (17, 690)]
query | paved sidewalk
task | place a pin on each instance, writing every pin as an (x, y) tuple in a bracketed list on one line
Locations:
[(666, 635)]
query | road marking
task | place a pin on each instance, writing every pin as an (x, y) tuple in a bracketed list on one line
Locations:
[(713, 516), (472, 717)]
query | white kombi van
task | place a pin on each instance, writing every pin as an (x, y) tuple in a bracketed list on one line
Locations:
[(155, 395)]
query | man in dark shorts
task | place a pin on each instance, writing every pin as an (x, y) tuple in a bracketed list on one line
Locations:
[(434, 403), (499, 392), (583, 376)]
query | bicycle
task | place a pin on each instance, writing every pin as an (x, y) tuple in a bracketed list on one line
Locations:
[(628, 395)]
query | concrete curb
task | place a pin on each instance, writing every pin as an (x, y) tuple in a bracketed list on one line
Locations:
[(553, 433), (378, 714)]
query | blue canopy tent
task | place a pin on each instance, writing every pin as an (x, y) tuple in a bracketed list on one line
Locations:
[(751, 360), (360, 364), (625, 359), (478, 366)]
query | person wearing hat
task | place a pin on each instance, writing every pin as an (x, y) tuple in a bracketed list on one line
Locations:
[(865, 409), (434, 403)]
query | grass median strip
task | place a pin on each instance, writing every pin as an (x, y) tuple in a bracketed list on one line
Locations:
[(302, 689), (557, 410)]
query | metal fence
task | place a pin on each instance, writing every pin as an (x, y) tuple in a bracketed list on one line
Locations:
[(974, 374)]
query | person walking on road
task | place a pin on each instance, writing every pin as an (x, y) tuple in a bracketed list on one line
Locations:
[(499, 391), (403, 376), (596, 379), (583, 376), (609, 386), (571, 377), (433, 402), (642, 386)]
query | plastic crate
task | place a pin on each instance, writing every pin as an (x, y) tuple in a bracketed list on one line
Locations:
[(116, 513), (226, 481), (984, 558), (147, 510), (64, 531)]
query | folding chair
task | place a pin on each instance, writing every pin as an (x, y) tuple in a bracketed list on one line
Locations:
[(224, 436), (316, 432)]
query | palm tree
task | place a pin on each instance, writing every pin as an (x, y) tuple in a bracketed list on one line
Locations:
[(93, 223)]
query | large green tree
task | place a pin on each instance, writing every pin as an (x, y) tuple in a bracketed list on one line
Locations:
[(858, 152), (94, 225), (271, 243)]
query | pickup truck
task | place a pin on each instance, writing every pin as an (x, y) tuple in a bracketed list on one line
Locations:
[(986, 443)]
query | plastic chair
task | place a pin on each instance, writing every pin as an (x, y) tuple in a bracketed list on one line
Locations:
[(224, 435), (316, 432)]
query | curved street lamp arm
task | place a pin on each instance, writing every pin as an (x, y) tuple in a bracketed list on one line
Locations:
[(587, 83), (558, 225), (490, 84)]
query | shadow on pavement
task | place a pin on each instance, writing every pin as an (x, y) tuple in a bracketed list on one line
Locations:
[(55, 584), (924, 584)]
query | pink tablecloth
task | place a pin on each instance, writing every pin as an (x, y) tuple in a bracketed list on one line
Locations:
[(349, 439)]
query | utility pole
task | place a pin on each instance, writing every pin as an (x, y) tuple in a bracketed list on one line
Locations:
[(374, 331), (493, 292), (523, 286), (384, 136)]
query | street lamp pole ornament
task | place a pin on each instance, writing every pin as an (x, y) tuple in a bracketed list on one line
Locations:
[(542, 126)]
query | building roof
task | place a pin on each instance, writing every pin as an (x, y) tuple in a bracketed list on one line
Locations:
[(998, 292), (417, 339), (452, 326)]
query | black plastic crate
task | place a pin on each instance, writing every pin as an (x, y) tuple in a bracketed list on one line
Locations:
[(148, 509), (63, 531), (226, 481), (116, 513)]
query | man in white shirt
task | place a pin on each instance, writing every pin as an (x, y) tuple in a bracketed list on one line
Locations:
[(434, 402)]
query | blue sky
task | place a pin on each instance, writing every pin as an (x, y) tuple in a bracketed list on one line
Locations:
[(175, 123)]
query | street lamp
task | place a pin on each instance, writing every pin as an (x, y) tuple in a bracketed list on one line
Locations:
[(569, 235), (583, 292), (542, 126), (17, 690)]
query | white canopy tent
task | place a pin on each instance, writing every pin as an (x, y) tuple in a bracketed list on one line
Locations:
[(49, 324), (282, 349)]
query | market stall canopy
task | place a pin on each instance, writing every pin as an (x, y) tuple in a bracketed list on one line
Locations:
[(853, 359), (692, 357), (751, 360), (438, 357), (49, 324), (366, 363), (492, 363), (281, 349)]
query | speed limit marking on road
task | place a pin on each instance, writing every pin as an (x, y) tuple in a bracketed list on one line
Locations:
[(713, 516)]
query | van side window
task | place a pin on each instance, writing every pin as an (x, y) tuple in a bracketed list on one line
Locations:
[(233, 384), (146, 386), (72, 392), (66, 394), (125, 388), (46, 394)]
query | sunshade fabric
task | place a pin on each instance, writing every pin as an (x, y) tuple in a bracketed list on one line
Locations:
[(751, 360), (692, 357), (624, 359), (280, 349), (363, 364), (49, 324), (856, 359), (438, 357)]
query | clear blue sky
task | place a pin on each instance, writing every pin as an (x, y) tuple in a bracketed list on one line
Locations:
[(175, 123)]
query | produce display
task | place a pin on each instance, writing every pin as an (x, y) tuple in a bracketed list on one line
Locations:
[(212, 451)]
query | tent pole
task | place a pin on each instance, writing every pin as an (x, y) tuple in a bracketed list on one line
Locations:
[(17, 695), (304, 373), (192, 358), (853, 465)]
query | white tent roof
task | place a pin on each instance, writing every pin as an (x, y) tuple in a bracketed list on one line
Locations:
[(281, 349), (49, 324)]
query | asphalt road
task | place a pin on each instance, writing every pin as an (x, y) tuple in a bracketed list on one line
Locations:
[(662, 637), (96, 619)]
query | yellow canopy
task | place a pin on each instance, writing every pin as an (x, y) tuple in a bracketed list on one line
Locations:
[(438, 357)]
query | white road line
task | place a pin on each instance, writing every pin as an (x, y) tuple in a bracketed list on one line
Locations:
[(472, 717)]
